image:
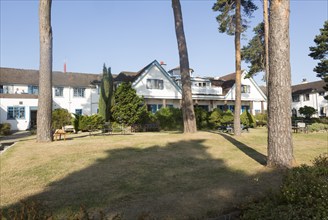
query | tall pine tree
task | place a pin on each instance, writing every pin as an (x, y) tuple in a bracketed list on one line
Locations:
[(231, 22), (106, 94), (320, 52)]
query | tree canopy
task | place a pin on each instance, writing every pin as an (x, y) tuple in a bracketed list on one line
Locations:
[(227, 16), (254, 52), (320, 52)]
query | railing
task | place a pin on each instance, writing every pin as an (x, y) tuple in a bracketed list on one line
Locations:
[(206, 90)]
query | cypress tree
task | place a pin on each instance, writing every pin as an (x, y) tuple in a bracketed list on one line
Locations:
[(106, 94)]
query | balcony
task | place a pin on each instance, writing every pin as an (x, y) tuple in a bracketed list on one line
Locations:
[(206, 90)]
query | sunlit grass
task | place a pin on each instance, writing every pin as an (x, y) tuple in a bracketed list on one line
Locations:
[(169, 174)]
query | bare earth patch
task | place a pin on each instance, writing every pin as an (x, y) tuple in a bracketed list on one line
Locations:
[(171, 175)]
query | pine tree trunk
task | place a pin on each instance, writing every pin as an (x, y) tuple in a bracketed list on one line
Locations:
[(266, 39), (44, 133), (237, 130), (189, 119), (280, 145)]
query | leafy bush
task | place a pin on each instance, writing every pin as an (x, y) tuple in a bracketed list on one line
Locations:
[(215, 117), (93, 122), (303, 195), (169, 118), (60, 118), (317, 127), (5, 129), (261, 119), (227, 117), (307, 111), (202, 118), (248, 119)]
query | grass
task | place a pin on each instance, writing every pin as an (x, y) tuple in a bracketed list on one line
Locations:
[(171, 175)]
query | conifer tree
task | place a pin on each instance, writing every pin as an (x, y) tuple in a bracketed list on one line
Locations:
[(320, 52), (106, 94)]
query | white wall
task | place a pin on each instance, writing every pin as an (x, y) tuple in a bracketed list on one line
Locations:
[(17, 124)]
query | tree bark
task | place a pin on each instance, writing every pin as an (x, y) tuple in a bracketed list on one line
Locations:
[(237, 130), (189, 119), (266, 39), (280, 145), (44, 133)]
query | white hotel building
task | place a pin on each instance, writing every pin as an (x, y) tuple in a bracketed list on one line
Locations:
[(79, 92)]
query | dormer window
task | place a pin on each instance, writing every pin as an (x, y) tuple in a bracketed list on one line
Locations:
[(245, 89), (306, 97), (155, 84)]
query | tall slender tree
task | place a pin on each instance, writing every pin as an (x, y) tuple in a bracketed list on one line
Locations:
[(44, 133), (231, 22), (189, 119), (280, 145), (106, 94)]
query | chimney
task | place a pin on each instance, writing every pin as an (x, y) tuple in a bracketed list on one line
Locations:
[(304, 80), (65, 67), (163, 65)]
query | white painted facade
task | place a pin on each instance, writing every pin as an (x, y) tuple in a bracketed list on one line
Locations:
[(158, 87), (314, 99)]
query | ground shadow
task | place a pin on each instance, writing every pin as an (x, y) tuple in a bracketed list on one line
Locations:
[(178, 181), (252, 153)]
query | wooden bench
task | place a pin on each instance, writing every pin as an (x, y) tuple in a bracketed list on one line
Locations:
[(145, 127), (59, 133)]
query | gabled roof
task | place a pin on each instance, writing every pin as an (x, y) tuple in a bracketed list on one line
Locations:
[(31, 77), (144, 71), (126, 76), (308, 87)]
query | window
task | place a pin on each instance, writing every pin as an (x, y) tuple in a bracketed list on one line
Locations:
[(322, 111), (245, 89), (79, 92), (245, 108), (154, 108), (155, 84), (221, 107), (33, 90), (59, 91), (1, 89), (321, 93), (296, 98), (16, 112), (169, 106), (306, 97), (78, 111)]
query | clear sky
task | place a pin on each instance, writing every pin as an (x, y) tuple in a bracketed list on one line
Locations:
[(128, 35)]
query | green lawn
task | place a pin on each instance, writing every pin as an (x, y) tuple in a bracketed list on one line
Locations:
[(171, 175)]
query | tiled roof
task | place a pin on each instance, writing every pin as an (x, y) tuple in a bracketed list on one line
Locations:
[(31, 77), (308, 87), (125, 76)]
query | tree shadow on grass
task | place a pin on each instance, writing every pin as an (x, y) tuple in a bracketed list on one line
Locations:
[(180, 180), (252, 153)]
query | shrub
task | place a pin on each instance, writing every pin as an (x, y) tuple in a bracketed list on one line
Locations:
[(76, 122), (5, 129), (227, 117), (261, 119), (201, 118), (93, 122), (303, 195), (215, 117), (170, 118), (317, 127), (60, 118), (248, 119)]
